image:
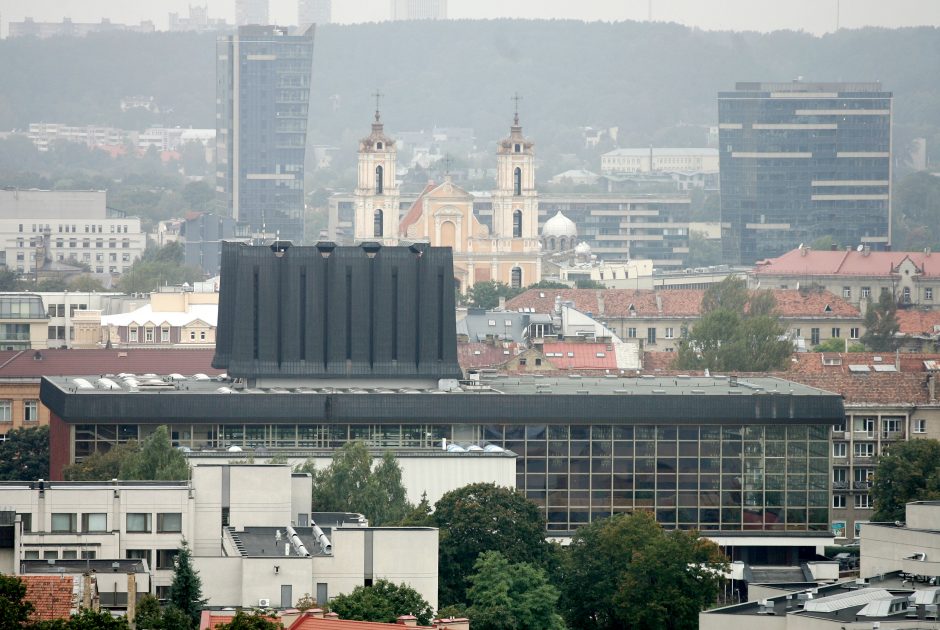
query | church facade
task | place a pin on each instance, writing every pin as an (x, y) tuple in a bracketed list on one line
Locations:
[(443, 216)]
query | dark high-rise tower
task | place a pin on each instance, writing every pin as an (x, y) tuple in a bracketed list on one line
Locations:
[(262, 95), (801, 161)]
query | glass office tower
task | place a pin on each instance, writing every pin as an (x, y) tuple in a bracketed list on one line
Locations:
[(262, 97), (801, 161)]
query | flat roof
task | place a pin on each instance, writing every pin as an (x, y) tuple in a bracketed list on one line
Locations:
[(617, 399)]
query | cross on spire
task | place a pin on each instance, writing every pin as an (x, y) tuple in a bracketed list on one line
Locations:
[(516, 98), (378, 97), (447, 163)]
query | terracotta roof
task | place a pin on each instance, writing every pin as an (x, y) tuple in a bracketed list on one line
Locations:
[(847, 263), (481, 355), (210, 619), (59, 362), (415, 211), (52, 596), (674, 303), (918, 322), (580, 356), (658, 361), (320, 623), (812, 363), (882, 388)]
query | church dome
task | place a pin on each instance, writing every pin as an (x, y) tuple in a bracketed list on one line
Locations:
[(559, 225), (582, 248)]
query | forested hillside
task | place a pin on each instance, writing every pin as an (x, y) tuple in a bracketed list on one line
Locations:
[(649, 79)]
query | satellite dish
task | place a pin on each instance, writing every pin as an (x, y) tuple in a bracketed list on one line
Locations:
[(860, 247)]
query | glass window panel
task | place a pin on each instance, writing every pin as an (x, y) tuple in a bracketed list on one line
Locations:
[(580, 449), (600, 449), (535, 432), (535, 449), (558, 464), (601, 432), (796, 432), (623, 449), (688, 482), (688, 433), (558, 432), (623, 465), (667, 432), (645, 432), (687, 515), (623, 433), (688, 449), (710, 449), (558, 448), (644, 449), (579, 465), (666, 448), (97, 522), (169, 522), (580, 432)]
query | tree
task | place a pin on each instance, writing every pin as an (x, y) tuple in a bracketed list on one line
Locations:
[(102, 465), (486, 294), (349, 484), (85, 283), (833, 344), (504, 595), (627, 572), (485, 517), (88, 619), (881, 324), (306, 603), (547, 284), (9, 279), (14, 608), (909, 471), (24, 455), (420, 515), (703, 251), (245, 621), (149, 614), (186, 588), (587, 283), (738, 331), (155, 460), (384, 601)]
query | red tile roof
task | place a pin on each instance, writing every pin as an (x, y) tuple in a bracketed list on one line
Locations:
[(37, 363), (658, 361), (320, 623), (415, 211), (847, 263), (580, 356), (52, 596), (211, 619), (481, 355), (812, 363), (918, 322)]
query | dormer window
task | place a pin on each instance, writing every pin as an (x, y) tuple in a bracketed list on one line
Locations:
[(517, 148), (378, 145)]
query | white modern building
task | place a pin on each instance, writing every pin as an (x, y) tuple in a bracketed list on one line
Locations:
[(250, 528), (657, 160), (38, 227)]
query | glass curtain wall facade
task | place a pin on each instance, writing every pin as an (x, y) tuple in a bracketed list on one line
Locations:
[(706, 477), (262, 98), (801, 161)]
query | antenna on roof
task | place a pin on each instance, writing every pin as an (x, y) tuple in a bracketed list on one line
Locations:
[(378, 98)]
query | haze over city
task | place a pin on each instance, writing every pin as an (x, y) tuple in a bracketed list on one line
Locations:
[(815, 16)]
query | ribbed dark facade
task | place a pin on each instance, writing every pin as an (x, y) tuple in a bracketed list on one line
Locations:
[(343, 312)]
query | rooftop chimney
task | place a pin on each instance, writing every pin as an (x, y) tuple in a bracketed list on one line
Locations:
[(407, 620)]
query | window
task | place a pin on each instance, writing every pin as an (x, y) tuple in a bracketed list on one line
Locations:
[(920, 426), (928, 294), (148, 335), (814, 336), (863, 477), (517, 224), (836, 333), (64, 522), (517, 182), (668, 334), (516, 278), (651, 335), (890, 427), (169, 522), (847, 292), (165, 335), (866, 292), (853, 333), (192, 335), (838, 501), (69, 554), (864, 449), (50, 554), (97, 522), (631, 333), (163, 593), (378, 225), (863, 501), (838, 449), (6, 410), (379, 180), (139, 554), (30, 410), (906, 295), (89, 555), (31, 554), (138, 522), (202, 335), (864, 425), (27, 521), (838, 475), (166, 558), (132, 334)]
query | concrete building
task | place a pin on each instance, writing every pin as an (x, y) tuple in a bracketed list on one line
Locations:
[(656, 160), (251, 12), (912, 278), (314, 12), (22, 321), (800, 161), (42, 228), (67, 28), (418, 9), (375, 359), (262, 94), (249, 527), (197, 21), (911, 547), (173, 318), (44, 135)]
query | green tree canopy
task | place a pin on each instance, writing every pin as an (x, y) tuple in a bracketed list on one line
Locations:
[(24, 455), (587, 283), (350, 484), (703, 251), (486, 294), (909, 471), (881, 324), (155, 460), (833, 344), (504, 595), (14, 609), (384, 601), (485, 517), (102, 465), (246, 621), (186, 588), (149, 615), (738, 331), (548, 284), (627, 572)]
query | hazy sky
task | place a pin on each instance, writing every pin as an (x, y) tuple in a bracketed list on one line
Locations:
[(817, 16)]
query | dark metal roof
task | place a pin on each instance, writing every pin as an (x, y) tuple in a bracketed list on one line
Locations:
[(337, 312)]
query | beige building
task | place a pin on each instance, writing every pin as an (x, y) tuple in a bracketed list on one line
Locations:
[(443, 215), (173, 318), (657, 160), (912, 547), (250, 529), (23, 321)]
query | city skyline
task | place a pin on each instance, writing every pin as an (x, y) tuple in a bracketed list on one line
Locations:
[(762, 15)]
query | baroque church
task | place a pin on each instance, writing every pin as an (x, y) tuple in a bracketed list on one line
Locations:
[(443, 214)]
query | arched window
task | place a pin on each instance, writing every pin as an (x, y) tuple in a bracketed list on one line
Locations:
[(378, 225), (379, 184), (551, 243), (517, 224), (378, 145), (517, 181), (516, 280)]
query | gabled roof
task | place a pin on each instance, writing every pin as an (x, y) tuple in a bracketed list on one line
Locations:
[(207, 313), (918, 322), (52, 596), (809, 262), (483, 355), (581, 356), (62, 362), (415, 211), (321, 623)]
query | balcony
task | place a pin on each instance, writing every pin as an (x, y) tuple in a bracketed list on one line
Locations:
[(892, 435), (861, 485), (840, 485)]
